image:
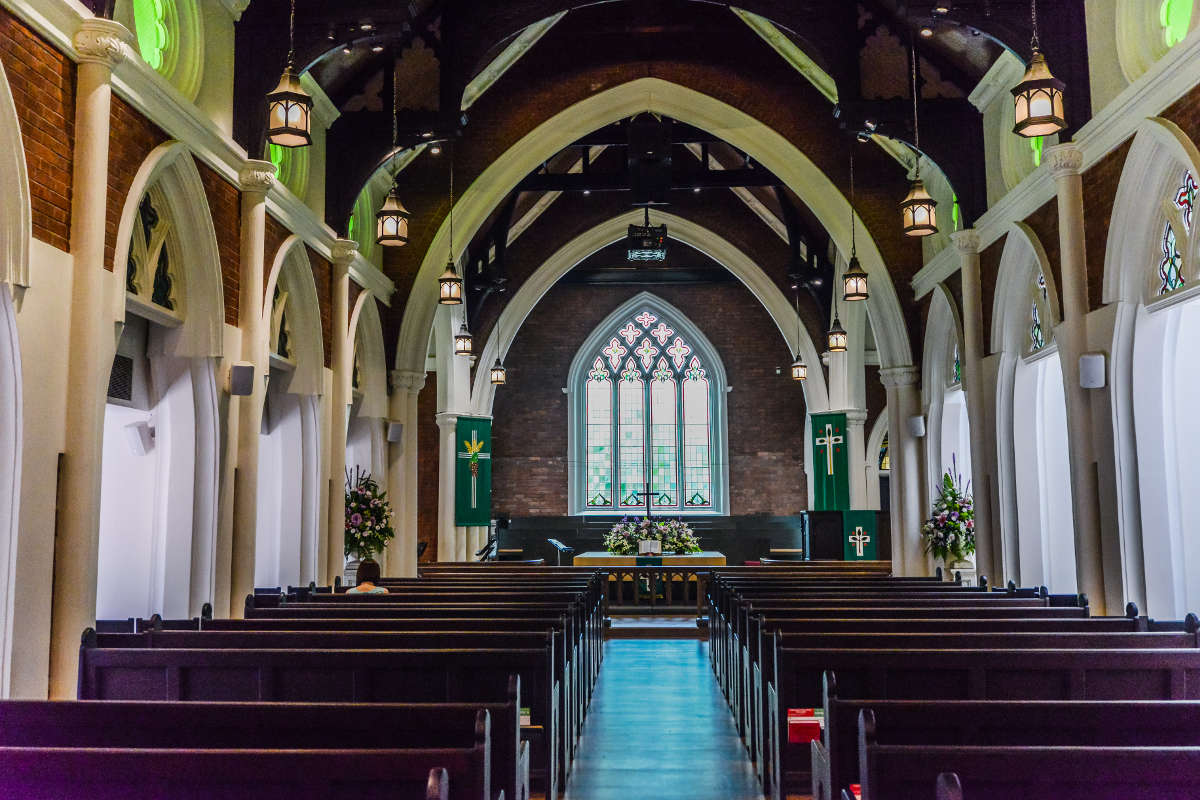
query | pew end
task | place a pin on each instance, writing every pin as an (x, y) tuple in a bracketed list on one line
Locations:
[(949, 787), (438, 786)]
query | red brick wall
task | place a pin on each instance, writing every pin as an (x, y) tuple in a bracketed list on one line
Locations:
[(273, 237), (1099, 194), (428, 450), (323, 277), (131, 139), (42, 81), (224, 201), (765, 410)]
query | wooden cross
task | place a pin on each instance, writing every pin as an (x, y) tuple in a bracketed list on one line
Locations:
[(829, 440), (859, 540), (473, 456)]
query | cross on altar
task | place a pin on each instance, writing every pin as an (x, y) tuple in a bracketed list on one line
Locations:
[(859, 540), (473, 455), (829, 440)]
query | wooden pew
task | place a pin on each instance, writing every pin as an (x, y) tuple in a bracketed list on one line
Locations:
[(39, 773), (116, 725), (358, 676), (1004, 772), (967, 675), (1092, 723)]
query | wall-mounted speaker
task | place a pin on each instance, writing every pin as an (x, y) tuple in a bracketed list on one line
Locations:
[(1092, 372), (395, 431), (140, 437), (916, 426), (241, 378)]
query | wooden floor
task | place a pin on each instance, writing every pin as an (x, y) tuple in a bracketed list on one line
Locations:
[(659, 728)]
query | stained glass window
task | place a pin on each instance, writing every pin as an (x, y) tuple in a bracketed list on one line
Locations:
[(148, 272), (648, 405), (885, 456), (1180, 209), (1037, 313), (956, 366)]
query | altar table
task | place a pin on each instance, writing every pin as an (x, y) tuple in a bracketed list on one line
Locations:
[(599, 558)]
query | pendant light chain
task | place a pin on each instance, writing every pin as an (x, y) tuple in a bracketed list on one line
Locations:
[(1034, 43), (916, 122), (291, 62), (451, 202), (853, 244)]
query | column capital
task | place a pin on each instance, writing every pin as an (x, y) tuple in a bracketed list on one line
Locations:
[(447, 419), (856, 416), (102, 41), (966, 241), (256, 176), (899, 377), (236, 8), (409, 380), (1064, 159), (344, 251)]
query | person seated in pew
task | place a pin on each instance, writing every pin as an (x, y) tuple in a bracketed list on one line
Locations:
[(367, 577)]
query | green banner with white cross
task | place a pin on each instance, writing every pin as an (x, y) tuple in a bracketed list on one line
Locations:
[(830, 464), (473, 471), (858, 536)]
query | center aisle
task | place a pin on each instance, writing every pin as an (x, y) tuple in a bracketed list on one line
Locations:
[(658, 727)]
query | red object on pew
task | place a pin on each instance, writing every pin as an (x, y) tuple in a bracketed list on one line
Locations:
[(856, 791), (804, 725)]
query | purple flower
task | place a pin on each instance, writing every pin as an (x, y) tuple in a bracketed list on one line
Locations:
[(356, 519)]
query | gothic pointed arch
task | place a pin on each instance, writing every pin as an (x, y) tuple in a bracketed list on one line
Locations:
[(763, 144), (647, 388), (947, 438), (16, 224), (167, 250), (370, 361), (291, 305), (765, 290)]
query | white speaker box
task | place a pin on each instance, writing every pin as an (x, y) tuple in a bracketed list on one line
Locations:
[(395, 431), (241, 378), (916, 426), (1092, 372), (141, 437)]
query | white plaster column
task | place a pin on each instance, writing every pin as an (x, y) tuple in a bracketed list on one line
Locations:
[(255, 179), (903, 402), (856, 450), (101, 45), (402, 472), (987, 533), (451, 543), (344, 251), (1065, 162)]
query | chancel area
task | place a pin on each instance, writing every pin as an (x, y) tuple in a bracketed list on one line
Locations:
[(513, 399)]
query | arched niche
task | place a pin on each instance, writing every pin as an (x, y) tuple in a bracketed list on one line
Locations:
[(15, 233), (288, 528), (525, 299), (366, 440), (1153, 376), (762, 143), (1032, 449), (947, 432), (714, 381), (159, 477), (878, 467)]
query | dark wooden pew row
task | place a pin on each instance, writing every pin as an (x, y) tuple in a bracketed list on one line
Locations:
[(42, 773), (986, 674), (1095, 723), (1004, 772), (566, 674), (412, 729), (351, 676)]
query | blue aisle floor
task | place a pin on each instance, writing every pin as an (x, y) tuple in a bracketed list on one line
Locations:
[(658, 729)]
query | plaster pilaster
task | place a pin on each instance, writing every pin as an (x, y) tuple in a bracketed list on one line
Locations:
[(903, 402), (402, 471)]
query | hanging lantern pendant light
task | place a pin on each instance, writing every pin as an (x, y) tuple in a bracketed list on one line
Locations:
[(799, 368), (450, 285), (499, 374), (1038, 99), (464, 345), (391, 221), (837, 336), (289, 107), (918, 209), (854, 279)]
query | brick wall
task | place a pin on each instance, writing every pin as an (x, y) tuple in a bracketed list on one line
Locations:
[(765, 410), (42, 81), (323, 277), (224, 201), (273, 237), (427, 467), (131, 139)]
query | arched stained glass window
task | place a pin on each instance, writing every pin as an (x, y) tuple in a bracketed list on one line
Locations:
[(647, 416), (150, 269), (1037, 313), (885, 456), (1179, 210)]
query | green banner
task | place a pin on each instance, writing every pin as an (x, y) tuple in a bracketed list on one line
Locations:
[(858, 536), (473, 471), (831, 472)]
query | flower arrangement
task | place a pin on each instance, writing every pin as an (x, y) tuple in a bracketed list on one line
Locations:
[(368, 516), (949, 533), (675, 534)]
